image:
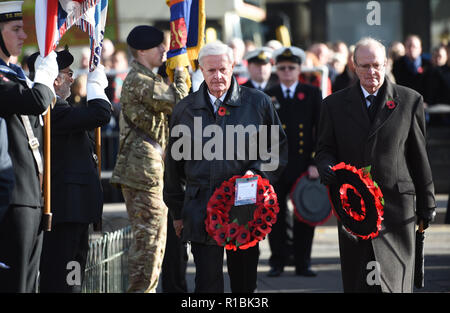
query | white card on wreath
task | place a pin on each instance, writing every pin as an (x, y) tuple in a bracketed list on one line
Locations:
[(246, 191)]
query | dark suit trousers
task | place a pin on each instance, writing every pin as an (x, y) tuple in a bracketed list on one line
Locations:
[(173, 274), (67, 242), (208, 261), (242, 269), (20, 249), (303, 235)]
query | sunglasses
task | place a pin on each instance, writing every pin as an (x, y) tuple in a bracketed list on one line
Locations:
[(284, 68)]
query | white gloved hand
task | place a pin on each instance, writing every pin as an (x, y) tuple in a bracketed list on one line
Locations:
[(46, 70), (96, 84)]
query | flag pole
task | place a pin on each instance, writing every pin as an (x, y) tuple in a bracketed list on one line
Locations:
[(47, 214)]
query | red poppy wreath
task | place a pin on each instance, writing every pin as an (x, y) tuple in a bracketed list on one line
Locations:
[(357, 201), (230, 233)]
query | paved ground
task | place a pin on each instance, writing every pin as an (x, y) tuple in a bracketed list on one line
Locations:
[(325, 258)]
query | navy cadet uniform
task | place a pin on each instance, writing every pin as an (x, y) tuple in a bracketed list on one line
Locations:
[(22, 104), (76, 193), (299, 115)]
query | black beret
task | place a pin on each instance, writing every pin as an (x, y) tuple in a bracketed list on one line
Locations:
[(145, 37), (64, 59)]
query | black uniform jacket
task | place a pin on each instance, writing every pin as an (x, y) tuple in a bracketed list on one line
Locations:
[(300, 118), (405, 76), (246, 107), (273, 80), (394, 145), (17, 98), (77, 194)]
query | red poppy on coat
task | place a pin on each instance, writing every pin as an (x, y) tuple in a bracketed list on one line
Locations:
[(222, 111), (301, 96), (420, 70), (390, 104)]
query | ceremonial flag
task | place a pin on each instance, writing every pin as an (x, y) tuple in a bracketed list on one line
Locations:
[(55, 17), (187, 26)]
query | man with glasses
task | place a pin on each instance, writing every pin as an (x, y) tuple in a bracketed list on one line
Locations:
[(379, 124), (76, 192), (298, 106)]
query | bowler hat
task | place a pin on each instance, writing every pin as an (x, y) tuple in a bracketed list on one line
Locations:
[(145, 37), (310, 201)]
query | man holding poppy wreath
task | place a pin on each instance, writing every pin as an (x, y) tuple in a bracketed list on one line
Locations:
[(379, 124), (191, 181)]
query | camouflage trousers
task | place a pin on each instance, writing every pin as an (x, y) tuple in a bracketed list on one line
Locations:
[(148, 217)]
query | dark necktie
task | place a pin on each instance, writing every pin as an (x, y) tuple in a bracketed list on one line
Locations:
[(217, 105), (288, 96), (371, 109)]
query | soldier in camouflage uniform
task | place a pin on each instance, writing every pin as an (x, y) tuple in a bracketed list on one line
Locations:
[(146, 103)]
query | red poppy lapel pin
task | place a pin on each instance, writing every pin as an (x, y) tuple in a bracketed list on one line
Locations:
[(301, 96), (391, 104), (420, 70), (223, 111)]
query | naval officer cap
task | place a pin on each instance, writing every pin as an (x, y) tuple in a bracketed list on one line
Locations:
[(10, 11), (259, 56), (292, 54), (145, 37)]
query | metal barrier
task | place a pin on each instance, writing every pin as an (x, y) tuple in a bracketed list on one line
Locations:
[(107, 263)]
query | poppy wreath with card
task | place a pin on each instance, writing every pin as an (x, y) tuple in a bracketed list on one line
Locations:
[(228, 232), (357, 201)]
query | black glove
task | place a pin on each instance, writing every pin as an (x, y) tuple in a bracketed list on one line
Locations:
[(327, 175), (426, 216)]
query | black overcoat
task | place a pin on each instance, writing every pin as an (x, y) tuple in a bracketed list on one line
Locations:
[(76, 192), (190, 181), (394, 145)]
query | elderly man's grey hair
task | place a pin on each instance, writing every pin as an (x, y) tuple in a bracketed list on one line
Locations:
[(368, 41), (215, 48)]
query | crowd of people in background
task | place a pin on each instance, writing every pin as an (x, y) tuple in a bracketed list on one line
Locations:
[(408, 65)]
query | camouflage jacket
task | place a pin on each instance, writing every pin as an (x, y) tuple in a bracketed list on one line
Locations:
[(147, 101)]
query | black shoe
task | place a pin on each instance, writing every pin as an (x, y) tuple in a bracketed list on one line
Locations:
[(306, 272), (275, 272)]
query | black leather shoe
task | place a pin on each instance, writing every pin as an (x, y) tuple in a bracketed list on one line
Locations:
[(275, 272), (306, 272)]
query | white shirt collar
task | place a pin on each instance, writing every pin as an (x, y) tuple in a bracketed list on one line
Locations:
[(291, 88), (256, 84), (365, 93), (213, 99)]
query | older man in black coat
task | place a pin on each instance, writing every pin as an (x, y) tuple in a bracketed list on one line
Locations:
[(201, 174), (76, 193), (387, 133)]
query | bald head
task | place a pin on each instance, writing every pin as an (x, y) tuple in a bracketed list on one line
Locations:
[(371, 44), (370, 64)]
